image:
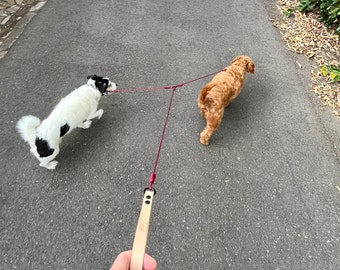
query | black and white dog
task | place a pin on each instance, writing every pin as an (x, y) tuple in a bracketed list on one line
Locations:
[(75, 110)]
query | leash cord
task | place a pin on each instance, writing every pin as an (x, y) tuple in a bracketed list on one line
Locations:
[(153, 174), (167, 87), (141, 235)]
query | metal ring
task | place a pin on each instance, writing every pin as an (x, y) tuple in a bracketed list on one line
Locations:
[(154, 190)]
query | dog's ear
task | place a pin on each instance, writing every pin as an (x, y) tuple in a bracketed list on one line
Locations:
[(102, 85), (99, 82), (93, 77), (245, 61), (250, 66)]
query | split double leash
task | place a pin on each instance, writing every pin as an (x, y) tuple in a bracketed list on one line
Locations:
[(142, 229)]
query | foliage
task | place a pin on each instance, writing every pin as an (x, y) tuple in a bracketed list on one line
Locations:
[(328, 11), (289, 12), (308, 5), (332, 71)]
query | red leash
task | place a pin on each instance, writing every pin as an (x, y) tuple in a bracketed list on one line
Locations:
[(153, 175), (142, 230), (167, 87)]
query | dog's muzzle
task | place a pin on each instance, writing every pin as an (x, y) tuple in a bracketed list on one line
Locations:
[(112, 86)]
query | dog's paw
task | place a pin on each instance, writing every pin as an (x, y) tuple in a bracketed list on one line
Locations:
[(86, 124), (204, 138), (100, 113), (50, 165), (204, 141)]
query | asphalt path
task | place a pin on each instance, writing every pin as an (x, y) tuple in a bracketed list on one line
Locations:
[(261, 196)]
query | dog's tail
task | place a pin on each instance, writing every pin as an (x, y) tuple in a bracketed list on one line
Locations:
[(27, 127), (204, 101)]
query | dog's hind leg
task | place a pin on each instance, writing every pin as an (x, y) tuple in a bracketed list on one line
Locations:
[(50, 165), (213, 119), (49, 162)]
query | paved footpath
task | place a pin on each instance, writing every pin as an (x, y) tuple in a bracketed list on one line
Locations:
[(261, 196), (14, 16)]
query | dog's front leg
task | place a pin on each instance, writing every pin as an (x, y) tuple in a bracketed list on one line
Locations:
[(97, 114), (87, 123)]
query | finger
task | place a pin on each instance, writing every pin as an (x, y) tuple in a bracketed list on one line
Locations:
[(149, 263), (122, 261)]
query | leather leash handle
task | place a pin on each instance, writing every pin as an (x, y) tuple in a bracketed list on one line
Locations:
[(141, 235)]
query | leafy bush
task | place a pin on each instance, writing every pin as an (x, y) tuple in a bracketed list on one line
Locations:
[(328, 11), (333, 72), (308, 5)]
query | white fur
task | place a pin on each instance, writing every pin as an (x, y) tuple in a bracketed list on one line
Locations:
[(76, 109)]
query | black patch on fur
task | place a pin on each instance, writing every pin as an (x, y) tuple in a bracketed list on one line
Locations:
[(93, 77), (64, 129), (101, 83), (43, 148)]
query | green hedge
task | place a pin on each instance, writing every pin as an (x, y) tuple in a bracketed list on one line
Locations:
[(328, 11)]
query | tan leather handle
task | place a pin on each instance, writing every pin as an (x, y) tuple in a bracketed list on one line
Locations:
[(141, 235)]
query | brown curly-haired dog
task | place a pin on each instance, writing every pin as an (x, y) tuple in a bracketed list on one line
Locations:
[(223, 89)]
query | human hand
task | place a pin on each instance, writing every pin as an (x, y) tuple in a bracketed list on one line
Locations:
[(123, 260)]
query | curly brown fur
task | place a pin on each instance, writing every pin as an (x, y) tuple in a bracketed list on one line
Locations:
[(220, 91)]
